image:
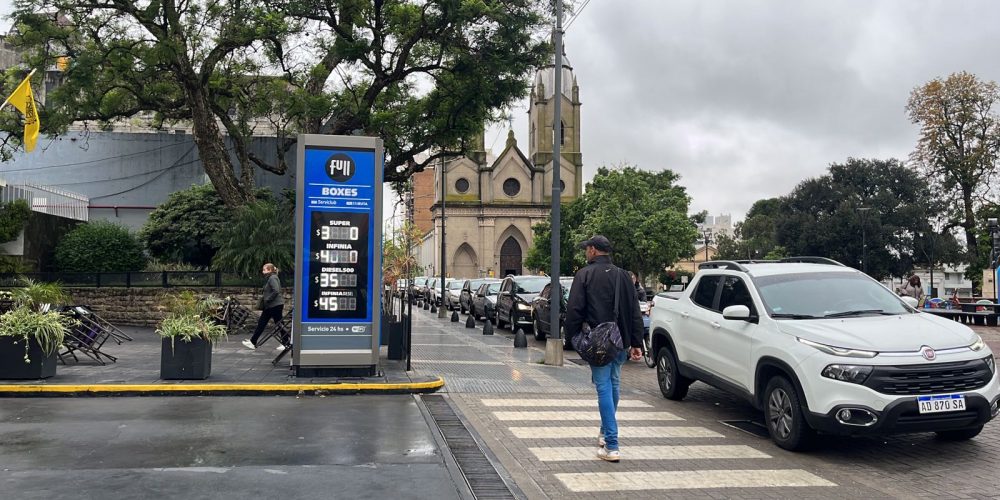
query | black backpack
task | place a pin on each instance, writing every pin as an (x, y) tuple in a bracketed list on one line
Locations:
[(603, 343)]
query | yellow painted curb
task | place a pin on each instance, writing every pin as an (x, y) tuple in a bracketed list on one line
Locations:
[(141, 388)]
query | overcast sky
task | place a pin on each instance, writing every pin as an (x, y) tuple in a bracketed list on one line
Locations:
[(745, 99)]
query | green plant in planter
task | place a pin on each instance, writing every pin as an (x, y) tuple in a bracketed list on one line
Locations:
[(191, 317), (46, 328), (36, 295)]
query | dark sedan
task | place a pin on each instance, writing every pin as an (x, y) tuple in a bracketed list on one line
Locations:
[(541, 309), (485, 301), (514, 300), (469, 290)]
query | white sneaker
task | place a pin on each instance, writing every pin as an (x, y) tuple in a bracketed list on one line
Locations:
[(600, 441), (249, 345), (609, 455)]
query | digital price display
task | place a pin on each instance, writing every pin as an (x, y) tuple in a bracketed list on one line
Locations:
[(338, 263)]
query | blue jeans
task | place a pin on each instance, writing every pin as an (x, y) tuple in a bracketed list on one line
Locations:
[(606, 380)]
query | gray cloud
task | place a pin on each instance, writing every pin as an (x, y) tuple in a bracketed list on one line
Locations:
[(747, 98)]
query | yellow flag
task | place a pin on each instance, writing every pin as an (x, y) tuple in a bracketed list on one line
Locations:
[(24, 100)]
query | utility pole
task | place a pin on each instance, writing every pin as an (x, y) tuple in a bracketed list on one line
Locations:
[(441, 313), (554, 343), (864, 238), (708, 238)]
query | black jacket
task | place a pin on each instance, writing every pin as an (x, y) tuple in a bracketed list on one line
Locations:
[(271, 296), (592, 299)]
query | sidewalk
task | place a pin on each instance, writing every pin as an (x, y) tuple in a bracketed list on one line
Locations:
[(236, 370)]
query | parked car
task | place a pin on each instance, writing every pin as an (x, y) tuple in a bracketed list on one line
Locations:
[(401, 285), (541, 310), (418, 287), (514, 300), (820, 347), (453, 292), (434, 289), (469, 290), (485, 301)]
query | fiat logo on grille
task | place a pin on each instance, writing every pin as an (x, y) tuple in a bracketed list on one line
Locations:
[(928, 353)]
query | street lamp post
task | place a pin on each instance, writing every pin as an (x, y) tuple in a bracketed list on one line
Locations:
[(554, 343), (994, 234), (707, 233), (864, 238)]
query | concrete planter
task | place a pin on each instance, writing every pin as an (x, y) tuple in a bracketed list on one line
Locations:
[(181, 360), (13, 367)]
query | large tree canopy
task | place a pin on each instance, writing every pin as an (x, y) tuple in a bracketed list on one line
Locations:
[(422, 75), (644, 214), (959, 143)]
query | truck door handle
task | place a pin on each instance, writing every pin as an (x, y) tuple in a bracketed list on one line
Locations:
[(716, 325), (684, 314)]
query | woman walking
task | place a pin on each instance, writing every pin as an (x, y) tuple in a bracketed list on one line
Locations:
[(271, 303)]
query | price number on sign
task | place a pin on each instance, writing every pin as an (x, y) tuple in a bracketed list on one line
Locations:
[(334, 280), (337, 233), (334, 304), (337, 256)]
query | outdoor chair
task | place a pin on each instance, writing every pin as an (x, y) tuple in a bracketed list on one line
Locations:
[(87, 336), (234, 315), (282, 332)]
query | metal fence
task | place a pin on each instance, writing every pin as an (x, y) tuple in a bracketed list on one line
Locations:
[(161, 279), (47, 200)]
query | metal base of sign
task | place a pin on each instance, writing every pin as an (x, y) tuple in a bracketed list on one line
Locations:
[(335, 371)]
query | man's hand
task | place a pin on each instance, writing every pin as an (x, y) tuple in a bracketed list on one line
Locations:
[(634, 353)]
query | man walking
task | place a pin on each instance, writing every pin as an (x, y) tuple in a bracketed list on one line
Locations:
[(591, 302)]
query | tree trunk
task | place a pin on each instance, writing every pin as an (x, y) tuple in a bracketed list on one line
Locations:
[(213, 154), (969, 224)]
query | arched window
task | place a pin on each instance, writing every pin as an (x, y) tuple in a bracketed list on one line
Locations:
[(562, 133)]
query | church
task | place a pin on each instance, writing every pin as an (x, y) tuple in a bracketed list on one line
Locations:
[(492, 203)]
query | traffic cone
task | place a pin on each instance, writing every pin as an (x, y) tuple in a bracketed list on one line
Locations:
[(454, 316), (520, 339), (488, 328), (471, 322)]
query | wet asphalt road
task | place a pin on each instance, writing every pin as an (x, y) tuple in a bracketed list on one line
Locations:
[(220, 448)]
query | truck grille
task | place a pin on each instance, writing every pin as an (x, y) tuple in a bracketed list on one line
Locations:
[(930, 379)]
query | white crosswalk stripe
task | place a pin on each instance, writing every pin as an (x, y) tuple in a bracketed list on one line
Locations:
[(624, 432), (689, 480), (641, 440), (571, 453), (540, 416), (564, 403)]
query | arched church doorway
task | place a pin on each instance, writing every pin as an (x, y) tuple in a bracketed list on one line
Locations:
[(510, 257), (465, 263)]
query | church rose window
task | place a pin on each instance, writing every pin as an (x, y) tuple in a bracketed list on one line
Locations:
[(562, 186), (511, 187), (462, 185)]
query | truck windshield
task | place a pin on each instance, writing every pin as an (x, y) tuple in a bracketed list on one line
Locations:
[(826, 295)]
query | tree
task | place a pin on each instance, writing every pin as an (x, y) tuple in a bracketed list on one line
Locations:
[(643, 213), (99, 246), (13, 217), (864, 213), (959, 143), (185, 228), (540, 254), (260, 232), (754, 238), (421, 75)]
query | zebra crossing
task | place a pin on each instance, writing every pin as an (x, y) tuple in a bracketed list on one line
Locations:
[(551, 431)]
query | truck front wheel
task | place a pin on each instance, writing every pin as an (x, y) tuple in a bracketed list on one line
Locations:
[(673, 385)]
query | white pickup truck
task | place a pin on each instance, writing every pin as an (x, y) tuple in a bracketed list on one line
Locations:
[(820, 347)]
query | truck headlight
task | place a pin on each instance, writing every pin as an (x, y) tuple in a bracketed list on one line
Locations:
[(838, 351), (978, 345), (991, 363), (521, 306), (855, 374)]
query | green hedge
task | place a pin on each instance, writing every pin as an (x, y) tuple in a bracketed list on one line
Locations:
[(13, 217), (100, 247)]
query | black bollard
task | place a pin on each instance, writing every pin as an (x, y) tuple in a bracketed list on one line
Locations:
[(471, 322), (434, 308), (520, 339), (488, 328), (454, 316)]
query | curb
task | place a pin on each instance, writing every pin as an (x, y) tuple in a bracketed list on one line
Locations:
[(109, 390)]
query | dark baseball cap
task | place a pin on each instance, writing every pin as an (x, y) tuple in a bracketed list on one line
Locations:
[(597, 241)]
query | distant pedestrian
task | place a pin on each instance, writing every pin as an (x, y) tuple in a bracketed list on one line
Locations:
[(591, 302), (271, 304), (912, 288), (640, 292)]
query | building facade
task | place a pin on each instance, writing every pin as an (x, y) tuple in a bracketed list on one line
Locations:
[(490, 205)]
